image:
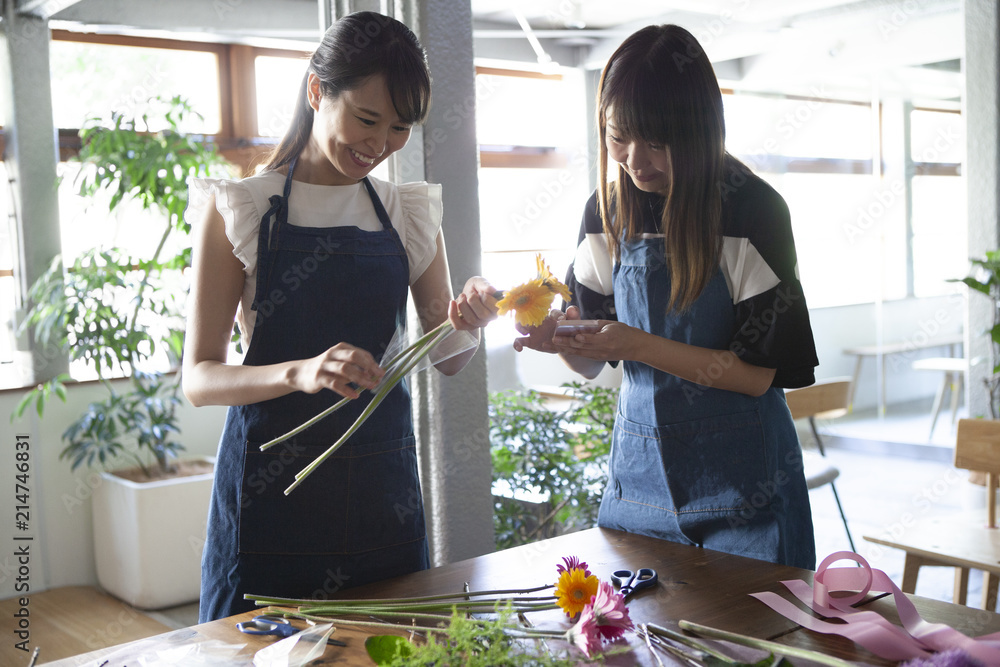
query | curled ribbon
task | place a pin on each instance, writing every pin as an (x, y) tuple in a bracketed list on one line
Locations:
[(916, 639)]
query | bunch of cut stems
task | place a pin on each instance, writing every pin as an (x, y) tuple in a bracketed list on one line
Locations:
[(437, 609), (397, 368)]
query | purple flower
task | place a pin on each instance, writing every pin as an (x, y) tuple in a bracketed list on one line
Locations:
[(950, 658), (573, 563)]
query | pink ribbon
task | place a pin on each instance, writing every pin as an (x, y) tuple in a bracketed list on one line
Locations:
[(916, 639)]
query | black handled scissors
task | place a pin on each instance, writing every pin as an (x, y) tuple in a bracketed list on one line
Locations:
[(274, 625), (629, 582)]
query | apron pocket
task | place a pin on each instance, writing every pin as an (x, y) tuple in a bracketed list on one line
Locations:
[(387, 507), (364, 497), (312, 519), (711, 465)]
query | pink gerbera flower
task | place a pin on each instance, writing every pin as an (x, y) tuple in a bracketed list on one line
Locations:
[(610, 612), (585, 635), (573, 563)]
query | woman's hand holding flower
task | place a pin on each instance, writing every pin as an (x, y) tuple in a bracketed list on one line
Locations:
[(343, 368), (475, 307)]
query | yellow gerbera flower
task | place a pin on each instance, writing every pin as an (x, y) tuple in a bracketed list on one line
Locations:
[(549, 280), (574, 590), (530, 303)]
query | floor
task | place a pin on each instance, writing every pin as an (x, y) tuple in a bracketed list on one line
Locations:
[(891, 469)]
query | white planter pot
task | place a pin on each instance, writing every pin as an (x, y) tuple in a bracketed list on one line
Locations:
[(148, 538)]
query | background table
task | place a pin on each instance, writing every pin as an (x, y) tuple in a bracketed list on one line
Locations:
[(695, 584), (881, 352)]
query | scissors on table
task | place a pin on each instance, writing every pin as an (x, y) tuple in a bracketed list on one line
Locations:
[(266, 624), (629, 582)]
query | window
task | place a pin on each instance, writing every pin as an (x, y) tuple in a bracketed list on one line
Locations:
[(278, 81), (95, 74), (533, 176), (769, 125), (92, 78), (881, 235), (939, 224)]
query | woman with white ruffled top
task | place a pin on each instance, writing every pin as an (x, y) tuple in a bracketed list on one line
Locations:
[(314, 260)]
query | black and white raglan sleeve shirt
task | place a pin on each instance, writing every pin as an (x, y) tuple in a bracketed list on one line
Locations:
[(758, 261)]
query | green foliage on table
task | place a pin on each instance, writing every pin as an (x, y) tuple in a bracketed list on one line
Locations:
[(384, 649), (475, 642), (558, 453), (120, 313), (985, 279)]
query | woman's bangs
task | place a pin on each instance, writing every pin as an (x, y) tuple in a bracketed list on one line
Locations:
[(640, 108), (410, 92)]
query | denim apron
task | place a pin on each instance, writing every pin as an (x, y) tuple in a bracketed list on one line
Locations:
[(690, 464), (359, 517)]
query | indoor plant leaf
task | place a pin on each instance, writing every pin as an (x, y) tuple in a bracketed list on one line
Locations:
[(383, 649)]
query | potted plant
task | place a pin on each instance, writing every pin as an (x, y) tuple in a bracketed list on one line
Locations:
[(121, 314), (985, 279), (550, 457)]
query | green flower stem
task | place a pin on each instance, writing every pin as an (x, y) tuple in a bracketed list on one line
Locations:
[(297, 602), (517, 633), (298, 429), (442, 629), (369, 409), (482, 607), (688, 641), (392, 363), (415, 354), (372, 624), (762, 644), (430, 339), (535, 633)]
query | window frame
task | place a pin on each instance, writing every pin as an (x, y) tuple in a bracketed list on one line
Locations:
[(237, 138)]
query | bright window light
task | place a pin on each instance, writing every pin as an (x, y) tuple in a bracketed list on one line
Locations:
[(93, 79)]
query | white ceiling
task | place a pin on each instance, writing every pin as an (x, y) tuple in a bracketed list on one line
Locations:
[(842, 48)]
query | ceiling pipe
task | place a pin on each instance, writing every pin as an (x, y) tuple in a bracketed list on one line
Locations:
[(543, 57)]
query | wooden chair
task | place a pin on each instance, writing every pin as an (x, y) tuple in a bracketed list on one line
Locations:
[(826, 399), (956, 540)]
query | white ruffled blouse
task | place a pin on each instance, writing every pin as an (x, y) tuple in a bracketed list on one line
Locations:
[(414, 210)]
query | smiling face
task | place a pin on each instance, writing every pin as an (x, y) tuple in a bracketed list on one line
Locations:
[(352, 133), (647, 164)]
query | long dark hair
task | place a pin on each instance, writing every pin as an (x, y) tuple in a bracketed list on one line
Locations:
[(661, 88), (358, 46)]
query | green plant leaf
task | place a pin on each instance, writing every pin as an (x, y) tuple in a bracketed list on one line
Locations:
[(383, 649), (557, 456)]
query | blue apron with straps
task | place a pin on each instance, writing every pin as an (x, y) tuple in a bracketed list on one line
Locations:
[(359, 517), (691, 464)]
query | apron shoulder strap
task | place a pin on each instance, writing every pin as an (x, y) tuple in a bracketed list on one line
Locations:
[(267, 237), (377, 203)]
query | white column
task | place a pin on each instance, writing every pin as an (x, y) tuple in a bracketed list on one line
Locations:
[(31, 159), (981, 102), (451, 413)]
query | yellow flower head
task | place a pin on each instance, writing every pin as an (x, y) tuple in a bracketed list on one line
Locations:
[(574, 590), (531, 301), (549, 280)]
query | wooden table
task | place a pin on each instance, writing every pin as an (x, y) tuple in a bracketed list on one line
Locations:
[(960, 542), (695, 584)]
